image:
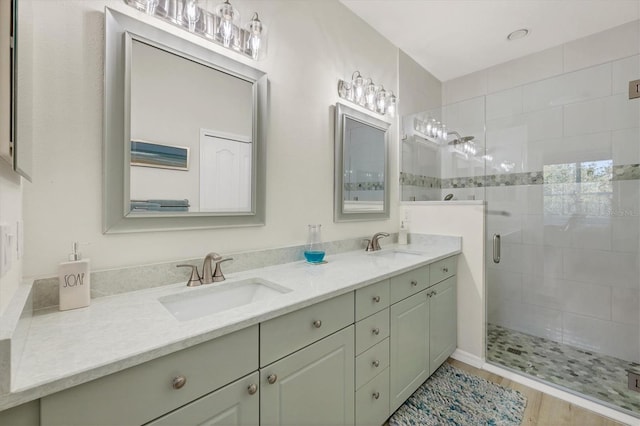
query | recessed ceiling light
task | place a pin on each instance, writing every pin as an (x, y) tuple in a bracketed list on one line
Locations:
[(515, 35)]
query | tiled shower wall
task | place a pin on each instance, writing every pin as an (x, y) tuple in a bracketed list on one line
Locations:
[(563, 190)]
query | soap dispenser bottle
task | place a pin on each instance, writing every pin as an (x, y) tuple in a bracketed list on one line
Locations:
[(403, 233), (74, 281)]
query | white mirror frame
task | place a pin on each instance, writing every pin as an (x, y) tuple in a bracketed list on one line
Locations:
[(117, 132), (339, 213)]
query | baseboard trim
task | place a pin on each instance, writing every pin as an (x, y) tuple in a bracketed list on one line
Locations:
[(468, 358), (560, 394)]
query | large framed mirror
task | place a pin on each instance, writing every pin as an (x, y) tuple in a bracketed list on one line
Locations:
[(361, 187), (184, 135)]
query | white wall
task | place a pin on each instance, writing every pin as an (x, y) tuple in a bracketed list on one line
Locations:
[(311, 45), (467, 221)]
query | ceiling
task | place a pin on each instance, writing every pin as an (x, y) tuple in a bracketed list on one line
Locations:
[(451, 38)]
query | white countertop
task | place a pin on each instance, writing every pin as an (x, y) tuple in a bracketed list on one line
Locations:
[(63, 349)]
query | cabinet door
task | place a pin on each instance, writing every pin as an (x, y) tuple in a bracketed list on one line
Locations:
[(313, 386), (409, 341), (442, 322), (236, 404)]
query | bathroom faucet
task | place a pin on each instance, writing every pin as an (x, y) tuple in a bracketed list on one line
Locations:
[(208, 276), (373, 244)]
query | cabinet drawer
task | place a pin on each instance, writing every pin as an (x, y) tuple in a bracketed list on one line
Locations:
[(372, 299), (372, 401), (372, 330), (404, 285), (443, 269), (236, 404), (288, 333), (142, 393), (372, 362)]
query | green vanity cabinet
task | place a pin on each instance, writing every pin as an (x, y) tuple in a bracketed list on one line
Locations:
[(237, 404), (27, 414), (307, 365), (409, 347), (313, 386), (147, 391), (443, 322), (349, 360), (423, 327)]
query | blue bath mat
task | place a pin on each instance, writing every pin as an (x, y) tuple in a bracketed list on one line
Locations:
[(455, 397)]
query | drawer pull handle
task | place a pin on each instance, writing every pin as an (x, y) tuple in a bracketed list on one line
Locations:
[(376, 331), (376, 299), (272, 379), (414, 283), (376, 363), (179, 382), (376, 395), (252, 389), (317, 323), (445, 270)]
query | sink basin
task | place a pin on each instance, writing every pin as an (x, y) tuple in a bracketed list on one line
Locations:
[(396, 254), (216, 298)]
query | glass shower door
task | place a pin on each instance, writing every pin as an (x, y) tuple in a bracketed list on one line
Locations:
[(563, 194)]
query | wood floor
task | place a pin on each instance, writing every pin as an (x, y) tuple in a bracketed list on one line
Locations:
[(542, 409)]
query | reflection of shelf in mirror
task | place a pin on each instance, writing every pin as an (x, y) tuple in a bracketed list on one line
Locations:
[(423, 139)]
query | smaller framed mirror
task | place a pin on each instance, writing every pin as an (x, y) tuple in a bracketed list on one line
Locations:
[(361, 180)]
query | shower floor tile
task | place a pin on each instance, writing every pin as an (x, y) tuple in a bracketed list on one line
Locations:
[(598, 377)]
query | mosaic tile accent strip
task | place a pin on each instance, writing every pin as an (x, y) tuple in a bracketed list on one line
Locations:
[(621, 172), (595, 376), (626, 172), (419, 180), (363, 186)]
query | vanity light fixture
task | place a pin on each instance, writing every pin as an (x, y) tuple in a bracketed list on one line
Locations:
[(364, 92), (221, 26)]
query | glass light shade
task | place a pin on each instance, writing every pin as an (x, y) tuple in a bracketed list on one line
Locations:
[(255, 44), (150, 6), (191, 13), (229, 18), (445, 134), (391, 104), (358, 87), (370, 95), (429, 127), (381, 100)]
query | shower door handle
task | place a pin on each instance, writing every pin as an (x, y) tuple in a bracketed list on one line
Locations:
[(496, 248)]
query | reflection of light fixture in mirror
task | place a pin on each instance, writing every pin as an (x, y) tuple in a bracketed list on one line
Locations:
[(221, 27), (431, 129), (365, 93)]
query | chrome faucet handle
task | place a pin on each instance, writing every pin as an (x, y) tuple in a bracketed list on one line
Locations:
[(374, 240), (217, 273), (207, 270), (194, 279)]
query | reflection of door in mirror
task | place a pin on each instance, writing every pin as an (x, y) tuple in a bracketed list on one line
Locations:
[(177, 103), (225, 182), (364, 167)]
